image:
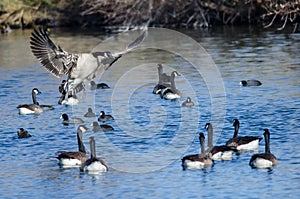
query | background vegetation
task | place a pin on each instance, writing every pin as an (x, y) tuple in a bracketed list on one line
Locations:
[(163, 13)]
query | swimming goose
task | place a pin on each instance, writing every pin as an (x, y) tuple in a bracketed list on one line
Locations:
[(243, 142), (197, 161), (250, 83), (266, 159), (101, 127), (31, 108), (90, 113), (95, 86), (103, 117), (171, 92), (222, 152), (67, 120), (22, 133), (74, 158), (94, 164), (78, 67), (161, 84), (188, 102)]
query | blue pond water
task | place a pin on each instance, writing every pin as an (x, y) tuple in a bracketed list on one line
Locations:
[(152, 135)]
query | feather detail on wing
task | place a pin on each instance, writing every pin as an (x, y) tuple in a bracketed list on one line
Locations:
[(133, 44), (52, 57)]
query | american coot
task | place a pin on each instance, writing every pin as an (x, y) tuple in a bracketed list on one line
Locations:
[(243, 142), (31, 108), (103, 117), (188, 102), (222, 152), (74, 158), (171, 92), (22, 133), (250, 83), (266, 159), (95, 86), (78, 67), (94, 165), (197, 161), (90, 113), (67, 120)]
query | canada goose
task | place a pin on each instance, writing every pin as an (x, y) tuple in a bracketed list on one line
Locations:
[(103, 117), (188, 102), (77, 158), (95, 86), (78, 67), (22, 133), (222, 152), (243, 142), (94, 165), (67, 120), (197, 161), (250, 83), (171, 92), (31, 108), (101, 127), (161, 85), (266, 159), (90, 113)]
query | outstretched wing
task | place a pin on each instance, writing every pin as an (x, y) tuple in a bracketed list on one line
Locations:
[(133, 44), (52, 57)]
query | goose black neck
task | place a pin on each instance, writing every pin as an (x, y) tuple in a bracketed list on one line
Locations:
[(236, 128), (201, 138), (209, 134), (160, 72), (34, 98), (173, 86), (81, 147), (267, 141), (93, 148)]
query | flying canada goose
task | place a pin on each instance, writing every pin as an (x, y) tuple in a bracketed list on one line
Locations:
[(266, 159), (90, 113), (77, 158), (197, 161), (101, 127), (251, 82), (103, 117), (31, 108), (222, 152), (188, 102), (95, 86), (22, 133), (94, 165), (78, 67), (161, 84), (67, 120), (243, 142), (171, 92)]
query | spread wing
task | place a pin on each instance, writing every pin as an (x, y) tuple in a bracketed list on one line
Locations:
[(133, 44), (52, 57)]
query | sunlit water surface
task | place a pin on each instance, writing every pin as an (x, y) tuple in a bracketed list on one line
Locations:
[(149, 124)]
